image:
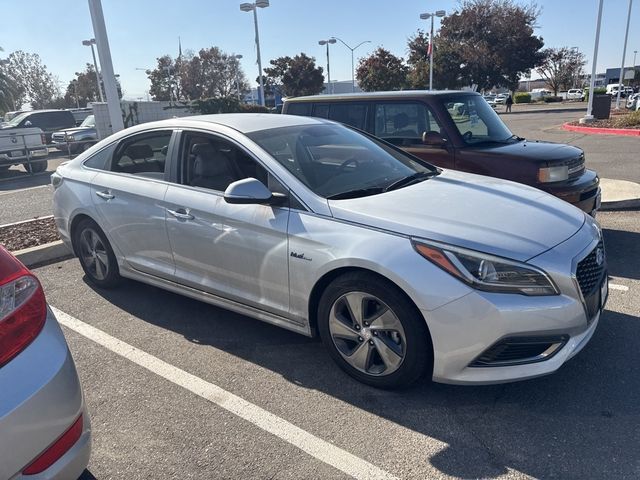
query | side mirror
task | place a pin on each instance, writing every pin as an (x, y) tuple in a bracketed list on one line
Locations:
[(251, 191), (434, 139)]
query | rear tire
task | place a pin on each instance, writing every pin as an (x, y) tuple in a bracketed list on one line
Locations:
[(374, 332), (38, 166), (96, 255)]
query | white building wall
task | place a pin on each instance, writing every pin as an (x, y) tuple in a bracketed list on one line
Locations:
[(135, 113)]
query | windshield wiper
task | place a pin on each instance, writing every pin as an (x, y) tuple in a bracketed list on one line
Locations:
[(411, 179), (358, 192)]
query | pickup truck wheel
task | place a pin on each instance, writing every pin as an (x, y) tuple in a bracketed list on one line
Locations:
[(86, 146), (36, 166)]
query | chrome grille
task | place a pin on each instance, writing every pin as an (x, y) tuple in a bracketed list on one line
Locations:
[(589, 273)]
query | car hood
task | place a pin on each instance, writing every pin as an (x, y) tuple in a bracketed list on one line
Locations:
[(481, 213), (534, 150)]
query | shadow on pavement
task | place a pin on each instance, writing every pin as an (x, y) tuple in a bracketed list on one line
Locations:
[(580, 422), (623, 253)]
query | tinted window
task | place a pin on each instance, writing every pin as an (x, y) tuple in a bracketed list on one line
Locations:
[(101, 160), (143, 154), (349, 114), (404, 123), (212, 162), (299, 109), (321, 110)]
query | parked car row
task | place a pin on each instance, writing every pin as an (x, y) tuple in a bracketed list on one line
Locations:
[(24, 138)]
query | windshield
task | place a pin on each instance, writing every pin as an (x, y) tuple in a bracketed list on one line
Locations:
[(90, 121), (476, 120), (16, 120), (335, 161)]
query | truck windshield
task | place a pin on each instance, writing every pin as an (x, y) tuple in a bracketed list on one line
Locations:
[(90, 121), (476, 121)]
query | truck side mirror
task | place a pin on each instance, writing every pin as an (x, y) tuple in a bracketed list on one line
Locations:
[(433, 139)]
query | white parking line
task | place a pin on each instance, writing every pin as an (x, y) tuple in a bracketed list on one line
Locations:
[(9, 192), (305, 441), (615, 286)]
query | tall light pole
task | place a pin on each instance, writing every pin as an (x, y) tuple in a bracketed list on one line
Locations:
[(238, 57), (635, 52), (592, 82), (253, 7), (91, 43), (624, 52), (327, 42), (426, 16), (353, 80)]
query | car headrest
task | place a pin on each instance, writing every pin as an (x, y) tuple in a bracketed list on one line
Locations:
[(137, 152)]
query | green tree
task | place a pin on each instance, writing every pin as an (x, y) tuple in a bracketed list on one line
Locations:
[(33, 82), (212, 73), (295, 76), (382, 71), (490, 42), (562, 68), (163, 80)]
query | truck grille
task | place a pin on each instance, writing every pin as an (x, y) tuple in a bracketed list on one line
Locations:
[(589, 272), (575, 166), (58, 137)]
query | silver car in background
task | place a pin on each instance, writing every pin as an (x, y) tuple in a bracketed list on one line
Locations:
[(403, 269), (45, 430)]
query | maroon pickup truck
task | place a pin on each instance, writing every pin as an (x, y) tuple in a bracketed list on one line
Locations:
[(459, 130)]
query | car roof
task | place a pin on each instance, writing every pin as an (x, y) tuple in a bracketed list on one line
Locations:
[(390, 94), (242, 122)]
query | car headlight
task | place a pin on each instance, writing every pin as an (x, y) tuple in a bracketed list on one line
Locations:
[(553, 174), (69, 137), (487, 272)]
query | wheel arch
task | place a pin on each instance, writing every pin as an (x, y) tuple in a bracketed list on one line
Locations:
[(325, 280)]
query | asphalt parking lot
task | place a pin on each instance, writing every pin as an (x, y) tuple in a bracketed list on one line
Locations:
[(163, 381)]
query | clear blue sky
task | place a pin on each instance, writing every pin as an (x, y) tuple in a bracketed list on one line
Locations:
[(141, 30)]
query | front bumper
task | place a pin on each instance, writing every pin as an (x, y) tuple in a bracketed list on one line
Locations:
[(463, 330), (582, 192), (41, 398)]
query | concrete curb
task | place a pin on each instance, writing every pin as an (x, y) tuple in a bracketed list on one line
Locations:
[(629, 132), (44, 254), (632, 204), (542, 110)]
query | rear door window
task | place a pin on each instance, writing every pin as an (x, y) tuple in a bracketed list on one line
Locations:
[(299, 108), (144, 154), (349, 113)]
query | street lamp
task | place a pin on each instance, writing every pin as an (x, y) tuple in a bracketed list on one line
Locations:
[(91, 43), (624, 52), (238, 57), (327, 42), (353, 82), (253, 7), (426, 16)]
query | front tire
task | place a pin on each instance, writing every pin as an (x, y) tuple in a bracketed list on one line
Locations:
[(96, 255), (373, 331)]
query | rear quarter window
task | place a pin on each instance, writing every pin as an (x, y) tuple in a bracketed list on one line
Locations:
[(299, 109)]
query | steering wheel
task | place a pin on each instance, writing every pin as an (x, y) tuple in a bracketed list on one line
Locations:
[(466, 136), (344, 166)]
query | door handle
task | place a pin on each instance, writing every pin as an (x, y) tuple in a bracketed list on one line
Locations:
[(105, 195), (181, 213)]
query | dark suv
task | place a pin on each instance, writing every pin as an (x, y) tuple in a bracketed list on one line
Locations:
[(459, 130), (48, 121)]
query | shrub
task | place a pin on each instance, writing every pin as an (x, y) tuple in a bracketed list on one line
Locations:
[(630, 120), (597, 91), (248, 108), (522, 97), (552, 99)]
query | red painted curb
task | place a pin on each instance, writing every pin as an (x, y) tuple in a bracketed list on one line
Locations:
[(629, 132)]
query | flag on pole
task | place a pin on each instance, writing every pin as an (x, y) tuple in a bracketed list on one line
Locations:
[(429, 48)]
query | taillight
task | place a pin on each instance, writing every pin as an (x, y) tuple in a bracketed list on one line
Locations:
[(52, 454), (43, 137), (23, 309)]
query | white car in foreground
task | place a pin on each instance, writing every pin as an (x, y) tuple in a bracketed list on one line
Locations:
[(402, 268)]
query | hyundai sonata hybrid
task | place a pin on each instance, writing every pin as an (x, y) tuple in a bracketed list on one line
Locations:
[(45, 431), (403, 269)]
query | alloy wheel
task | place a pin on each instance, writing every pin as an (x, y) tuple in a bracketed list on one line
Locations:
[(367, 333), (94, 254)]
